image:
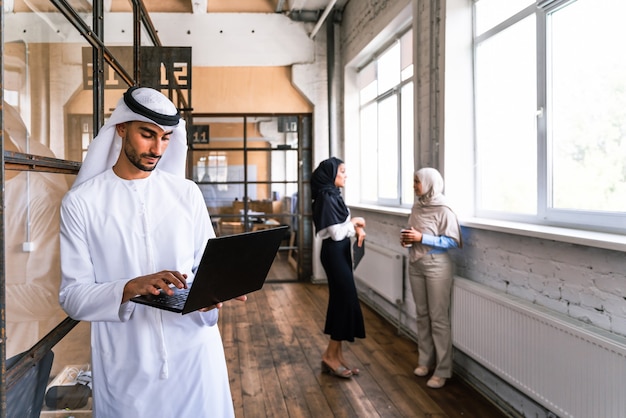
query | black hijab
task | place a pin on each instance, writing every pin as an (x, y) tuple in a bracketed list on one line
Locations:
[(328, 205)]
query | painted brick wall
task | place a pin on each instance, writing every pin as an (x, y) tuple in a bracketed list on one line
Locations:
[(585, 283)]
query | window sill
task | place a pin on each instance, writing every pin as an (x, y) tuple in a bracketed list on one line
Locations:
[(602, 240), (388, 210), (572, 236)]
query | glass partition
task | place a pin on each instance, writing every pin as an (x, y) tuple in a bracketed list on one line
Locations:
[(48, 119), (247, 168)]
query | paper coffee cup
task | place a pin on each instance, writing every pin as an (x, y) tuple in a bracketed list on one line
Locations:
[(406, 245)]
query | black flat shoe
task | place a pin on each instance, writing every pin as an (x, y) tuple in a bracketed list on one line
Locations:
[(338, 372)]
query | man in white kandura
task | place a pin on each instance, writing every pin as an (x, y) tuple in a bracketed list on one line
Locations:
[(132, 224)]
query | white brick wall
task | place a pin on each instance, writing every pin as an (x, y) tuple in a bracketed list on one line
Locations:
[(585, 283)]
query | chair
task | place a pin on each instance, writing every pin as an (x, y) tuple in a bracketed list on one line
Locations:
[(25, 396), (230, 228)]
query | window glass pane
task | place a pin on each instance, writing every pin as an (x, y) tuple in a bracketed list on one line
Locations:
[(389, 69), (12, 97), (53, 102), (32, 269), (505, 120), (366, 81), (386, 140), (406, 140), (406, 46), (407, 72), (492, 12), (284, 165), (217, 163), (214, 171), (388, 148), (261, 162), (366, 75), (47, 100), (588, 106), (213, 167), (369, 150), (281, 207), (368, 93)]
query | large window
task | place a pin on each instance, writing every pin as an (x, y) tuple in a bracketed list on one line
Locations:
[(551, 112), (386, 125)]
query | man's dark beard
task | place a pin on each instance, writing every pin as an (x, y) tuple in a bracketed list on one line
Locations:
[(136, 160)]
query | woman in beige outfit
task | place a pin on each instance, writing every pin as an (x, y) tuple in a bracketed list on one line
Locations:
[(434, 229)]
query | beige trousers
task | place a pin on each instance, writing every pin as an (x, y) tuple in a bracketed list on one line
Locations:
[(431, 284)]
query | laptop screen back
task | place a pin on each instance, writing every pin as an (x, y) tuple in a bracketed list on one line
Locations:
[(234, 265)]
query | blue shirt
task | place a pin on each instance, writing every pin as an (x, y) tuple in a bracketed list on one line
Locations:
[(440, 244)]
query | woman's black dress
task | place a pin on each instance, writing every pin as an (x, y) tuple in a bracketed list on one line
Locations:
[(344, 319)]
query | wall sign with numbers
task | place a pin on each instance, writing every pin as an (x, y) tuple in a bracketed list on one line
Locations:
[(162, 68), (198, 134)]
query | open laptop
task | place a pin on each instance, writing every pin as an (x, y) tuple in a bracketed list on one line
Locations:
[(231, 266)]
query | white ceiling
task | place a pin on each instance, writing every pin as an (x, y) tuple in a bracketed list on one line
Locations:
[(244, 38), (181, 6)]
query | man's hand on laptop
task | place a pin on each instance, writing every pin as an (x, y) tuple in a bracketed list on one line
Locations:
[(153, 284), (241, 298)]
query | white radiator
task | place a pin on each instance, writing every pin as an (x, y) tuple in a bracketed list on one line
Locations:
[(571, 369), (382, 271)]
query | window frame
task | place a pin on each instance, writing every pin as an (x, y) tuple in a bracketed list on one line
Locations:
[(394, 92), (546, 214)]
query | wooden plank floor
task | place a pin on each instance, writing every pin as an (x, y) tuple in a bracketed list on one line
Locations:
[(274, 343)]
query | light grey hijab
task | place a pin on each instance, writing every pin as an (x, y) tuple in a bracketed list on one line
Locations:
[(431, 214), (106, 146), (432, 187)]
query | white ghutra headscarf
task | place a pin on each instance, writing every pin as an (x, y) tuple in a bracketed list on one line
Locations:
[(138, 104)]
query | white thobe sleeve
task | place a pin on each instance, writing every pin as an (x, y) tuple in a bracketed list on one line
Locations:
[(80, 296)]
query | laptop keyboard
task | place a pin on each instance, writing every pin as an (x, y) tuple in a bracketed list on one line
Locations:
[(176, 300)]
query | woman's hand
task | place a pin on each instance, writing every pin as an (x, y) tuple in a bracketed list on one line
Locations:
[(360, 236), (358, 222), (409, 236)]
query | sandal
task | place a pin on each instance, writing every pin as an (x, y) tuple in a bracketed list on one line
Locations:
[(355, 370), (340, 371)]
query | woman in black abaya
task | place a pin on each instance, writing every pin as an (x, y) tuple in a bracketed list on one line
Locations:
[(333, 224)]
